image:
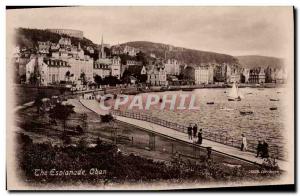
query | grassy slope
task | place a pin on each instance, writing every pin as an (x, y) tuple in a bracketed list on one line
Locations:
[(251, 61), (188, 56)]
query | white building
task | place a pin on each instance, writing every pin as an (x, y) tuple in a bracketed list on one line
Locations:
[(172, 67), (81, 65), (203, 75), (90, 49), (133, 63), (65, 42), (157, 76), (101, 69), (44, 47), (53, 71), (144, 70), (131, 51), (233, 73), (116, 67), (246, 73), (152, 55), (48, 70)]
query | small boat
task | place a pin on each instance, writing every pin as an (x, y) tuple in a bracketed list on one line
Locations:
[(273, 108), (246, 112), (187, 89), (234, 94), (249, 93), (234, 99), (274, 99), (210, 103)]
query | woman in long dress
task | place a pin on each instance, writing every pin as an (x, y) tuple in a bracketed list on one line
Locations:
[(244, 143)]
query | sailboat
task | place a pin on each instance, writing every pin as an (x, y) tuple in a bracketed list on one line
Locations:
[(234, 94)]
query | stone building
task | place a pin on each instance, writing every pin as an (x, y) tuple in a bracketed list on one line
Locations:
[(157, 76), (220, 73), (233, 73), (172, 67), (203, 74), (101, 69), (116, 67), (257, 76), (53, 70), (44, 47)]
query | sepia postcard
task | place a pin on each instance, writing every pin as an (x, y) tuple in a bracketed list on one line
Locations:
[(149, 98)]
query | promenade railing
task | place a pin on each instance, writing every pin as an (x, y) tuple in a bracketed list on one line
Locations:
[(220, 137)]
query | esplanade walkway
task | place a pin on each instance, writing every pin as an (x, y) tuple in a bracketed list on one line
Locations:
[(224, 145)]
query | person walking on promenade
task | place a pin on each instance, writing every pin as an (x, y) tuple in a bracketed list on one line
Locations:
[(259, 149), (195, 130), (265, 150), (200, 137), (244, 143), (189, 130)]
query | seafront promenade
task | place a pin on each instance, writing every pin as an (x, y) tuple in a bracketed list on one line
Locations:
[(172, 132)]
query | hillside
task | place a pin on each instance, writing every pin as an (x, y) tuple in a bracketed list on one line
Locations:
[(251, 61), (188, 56), (29, 37)]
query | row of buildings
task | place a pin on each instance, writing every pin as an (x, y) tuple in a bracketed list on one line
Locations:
[(211, 73), (63, 61)]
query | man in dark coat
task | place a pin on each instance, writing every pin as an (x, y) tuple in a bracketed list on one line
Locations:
[(200, 137), (265, 150), (189, 130), (259, 149), (195, 130)]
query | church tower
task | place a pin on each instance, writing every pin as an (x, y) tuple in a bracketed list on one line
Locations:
[(102, 54)]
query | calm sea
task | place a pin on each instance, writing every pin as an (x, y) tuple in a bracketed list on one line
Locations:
[(223, 117)]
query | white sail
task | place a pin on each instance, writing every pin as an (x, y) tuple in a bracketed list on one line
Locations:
[(233, 92)]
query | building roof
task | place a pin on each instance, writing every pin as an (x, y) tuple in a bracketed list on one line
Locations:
[(56, 62), (101, 66)]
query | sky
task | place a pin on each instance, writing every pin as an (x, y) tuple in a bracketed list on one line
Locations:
[(236, 31)]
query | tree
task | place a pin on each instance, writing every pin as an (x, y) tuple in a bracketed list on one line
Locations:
[(61, 112), (107, 51), (83, 78), (142, 78), (98, 80), (140, 56), (33, 79), (107, 118), (38, 103), (111, 80), (22, 78), (68, 75)]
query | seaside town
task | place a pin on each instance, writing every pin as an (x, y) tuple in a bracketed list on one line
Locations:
[(60, 85), (64, 64)]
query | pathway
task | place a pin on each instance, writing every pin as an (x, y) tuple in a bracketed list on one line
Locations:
[(232, 151)]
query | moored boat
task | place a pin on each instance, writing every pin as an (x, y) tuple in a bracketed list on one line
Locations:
[(273, 108), (274, 99), (246, 112), (187, 89)]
